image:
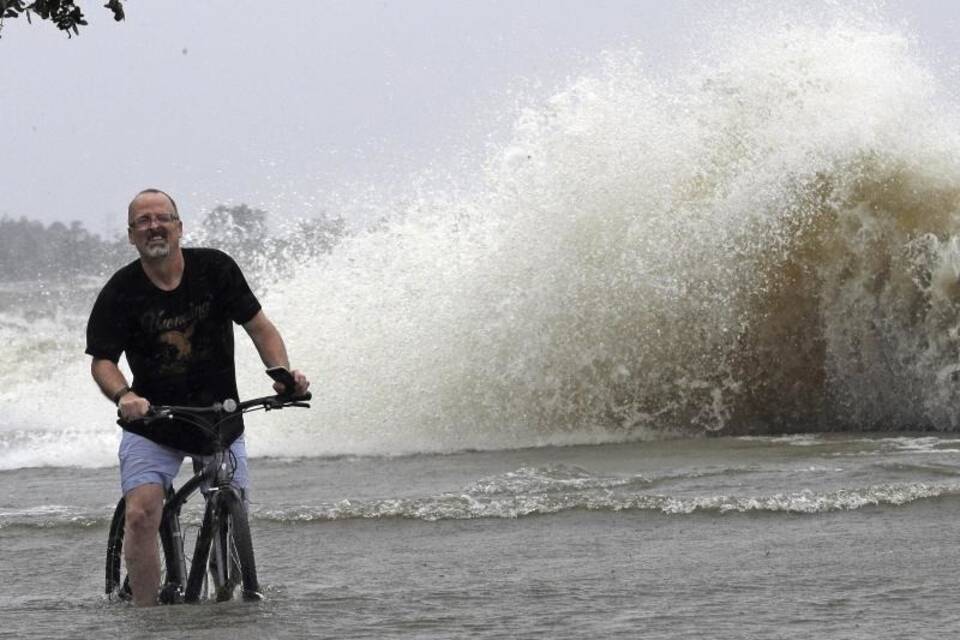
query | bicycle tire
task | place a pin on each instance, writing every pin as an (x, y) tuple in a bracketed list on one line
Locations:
[(117, 582), (114, 587), (226, 532), (235, 544), (225, 571)]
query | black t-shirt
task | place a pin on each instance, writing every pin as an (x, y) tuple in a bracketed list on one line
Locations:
[(179, 343)]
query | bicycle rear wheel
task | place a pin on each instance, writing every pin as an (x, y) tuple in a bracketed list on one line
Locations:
[(225, 549), (117, 582)]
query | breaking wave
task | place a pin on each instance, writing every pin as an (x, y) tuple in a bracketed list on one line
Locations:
[(768, 242)]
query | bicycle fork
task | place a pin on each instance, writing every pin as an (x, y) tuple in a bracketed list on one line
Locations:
[(214, 539)]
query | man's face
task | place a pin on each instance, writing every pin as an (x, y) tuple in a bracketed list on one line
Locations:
[(147, 231)]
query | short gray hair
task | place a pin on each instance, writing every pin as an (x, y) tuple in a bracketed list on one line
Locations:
[(146, 191)]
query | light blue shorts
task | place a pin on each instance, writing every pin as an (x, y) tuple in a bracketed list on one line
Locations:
[(143, 461)]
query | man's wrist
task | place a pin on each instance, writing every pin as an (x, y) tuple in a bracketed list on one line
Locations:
[(122, 391)]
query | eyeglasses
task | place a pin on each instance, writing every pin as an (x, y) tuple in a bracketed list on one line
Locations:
[(145, 222)]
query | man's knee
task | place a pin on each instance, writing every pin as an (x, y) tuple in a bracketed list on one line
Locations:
[(144, 507)]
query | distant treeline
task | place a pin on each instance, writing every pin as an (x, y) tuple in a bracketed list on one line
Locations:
[(31, 250)]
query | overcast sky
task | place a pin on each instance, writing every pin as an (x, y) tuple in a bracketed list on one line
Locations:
[(283, 105)]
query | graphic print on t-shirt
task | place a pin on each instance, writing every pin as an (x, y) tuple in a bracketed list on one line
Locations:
[(179, 340), (176, 349)]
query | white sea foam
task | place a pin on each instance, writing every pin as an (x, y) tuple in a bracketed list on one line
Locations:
[(466, 506)]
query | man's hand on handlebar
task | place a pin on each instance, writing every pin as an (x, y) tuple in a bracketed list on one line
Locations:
[(300, 387), (133, 407)]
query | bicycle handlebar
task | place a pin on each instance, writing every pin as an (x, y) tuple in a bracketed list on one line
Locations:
[(226, 408)]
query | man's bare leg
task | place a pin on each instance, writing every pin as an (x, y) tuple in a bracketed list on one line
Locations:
[(144, 509)]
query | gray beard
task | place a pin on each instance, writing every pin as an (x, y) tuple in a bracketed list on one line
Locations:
[(157, 251)]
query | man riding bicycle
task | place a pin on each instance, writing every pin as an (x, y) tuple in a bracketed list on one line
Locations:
[(171, 311)]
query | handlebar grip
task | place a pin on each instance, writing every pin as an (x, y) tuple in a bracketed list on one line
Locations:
[(284, 398), (151, 413)]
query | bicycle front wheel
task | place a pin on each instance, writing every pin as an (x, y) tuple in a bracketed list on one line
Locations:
[(225, 550)]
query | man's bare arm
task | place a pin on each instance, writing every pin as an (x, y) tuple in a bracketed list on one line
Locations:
[(272, 351), (267, 340), (108, 376), (114, 385)]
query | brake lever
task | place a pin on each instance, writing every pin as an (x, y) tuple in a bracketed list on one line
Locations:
[(273, 404), (280, 402), (153, 415)]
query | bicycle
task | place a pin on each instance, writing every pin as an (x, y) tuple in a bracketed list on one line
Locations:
[(225, 529)]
